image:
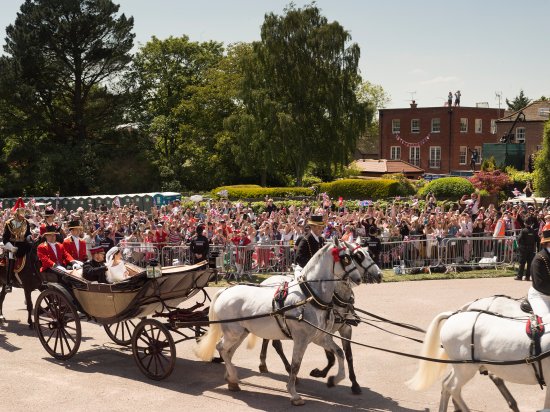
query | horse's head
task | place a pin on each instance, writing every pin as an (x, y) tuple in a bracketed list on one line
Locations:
[(342, 256), (371, 271)]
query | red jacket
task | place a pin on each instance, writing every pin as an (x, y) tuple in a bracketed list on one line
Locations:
[(48, 257), (70, 247)]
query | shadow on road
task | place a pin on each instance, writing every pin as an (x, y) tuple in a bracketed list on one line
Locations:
[(197, 378)]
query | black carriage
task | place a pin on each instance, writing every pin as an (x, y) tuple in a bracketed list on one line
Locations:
[(129, 311)]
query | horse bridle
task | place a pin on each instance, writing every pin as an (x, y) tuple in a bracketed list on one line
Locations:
[(355, 252), (346, 260)]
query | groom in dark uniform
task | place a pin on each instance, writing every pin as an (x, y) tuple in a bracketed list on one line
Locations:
[(311, 242)]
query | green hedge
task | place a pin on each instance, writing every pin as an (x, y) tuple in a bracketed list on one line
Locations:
[(258, 192), (364, 189), (452, 188)]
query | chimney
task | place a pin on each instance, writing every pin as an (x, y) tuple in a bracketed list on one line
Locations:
[(413, 104)]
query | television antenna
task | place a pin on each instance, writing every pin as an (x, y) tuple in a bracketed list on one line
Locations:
[(498, 96)]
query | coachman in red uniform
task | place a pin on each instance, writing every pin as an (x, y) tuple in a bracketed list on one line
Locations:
[(74, 244), (53, 256)]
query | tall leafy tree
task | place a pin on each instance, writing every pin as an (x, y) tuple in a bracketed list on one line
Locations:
[(299, 93), (519, 102), (169, 78), (375, 98), (542, 165), (57, 84)]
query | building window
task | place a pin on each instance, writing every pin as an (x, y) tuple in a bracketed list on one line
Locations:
[(493, 126), (520, 134), (436, 125), (478, 161), (415, 125), (395, 126), (462, 155), (435, 157), (463, 125), (414, 155), (395, 153), (479, 127)]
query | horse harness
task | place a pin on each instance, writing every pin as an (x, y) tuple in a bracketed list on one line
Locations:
[(282, 293), (534, 329)]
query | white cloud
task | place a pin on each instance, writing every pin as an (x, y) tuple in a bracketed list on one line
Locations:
[(441, 79), (417, 71)]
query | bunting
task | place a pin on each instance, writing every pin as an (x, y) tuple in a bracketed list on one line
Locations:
[(409, 144)]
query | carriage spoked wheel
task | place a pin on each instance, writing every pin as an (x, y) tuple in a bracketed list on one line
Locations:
[(121, 332), (57, 324), (154, 349)]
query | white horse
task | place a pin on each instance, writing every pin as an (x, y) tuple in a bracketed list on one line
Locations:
[(343, 301), (495, 339), (312, 296)]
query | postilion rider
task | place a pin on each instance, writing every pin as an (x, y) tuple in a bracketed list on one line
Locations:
[(16, 237), (54, 257), (312, 242), (539, 292)]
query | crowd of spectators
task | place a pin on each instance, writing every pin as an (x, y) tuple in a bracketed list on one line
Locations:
[(227, 222)]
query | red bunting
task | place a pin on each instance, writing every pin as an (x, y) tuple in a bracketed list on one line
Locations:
[(410, 144)]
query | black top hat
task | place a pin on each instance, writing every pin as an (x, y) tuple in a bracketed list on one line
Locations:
[(545, 236), (316, 220), (50, 230), (74, 224)]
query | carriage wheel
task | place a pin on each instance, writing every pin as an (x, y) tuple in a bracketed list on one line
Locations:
[(154, 349), (121, 332), (57, 324)]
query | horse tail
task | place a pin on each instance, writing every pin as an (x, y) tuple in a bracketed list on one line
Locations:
[(207, 343), (251, 341), (428, 371)]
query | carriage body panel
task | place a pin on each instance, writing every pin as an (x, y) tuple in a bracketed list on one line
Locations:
[(136, 297)]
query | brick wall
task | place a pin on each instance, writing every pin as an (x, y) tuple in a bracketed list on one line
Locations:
[(449, 139)]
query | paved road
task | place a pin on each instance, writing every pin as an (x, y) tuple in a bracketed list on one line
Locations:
[(103, 377)]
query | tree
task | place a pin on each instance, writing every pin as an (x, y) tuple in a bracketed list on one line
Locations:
[(375, 98), (519, 102), (179, 107), (58, 87), (299, 93), (542, 165)]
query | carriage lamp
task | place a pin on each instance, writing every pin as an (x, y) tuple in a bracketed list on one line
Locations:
[(153, 269)]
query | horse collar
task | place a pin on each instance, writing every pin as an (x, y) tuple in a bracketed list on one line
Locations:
[(316, 300)]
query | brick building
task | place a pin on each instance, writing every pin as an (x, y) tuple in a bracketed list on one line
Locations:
[(437, 139), (525, 126)]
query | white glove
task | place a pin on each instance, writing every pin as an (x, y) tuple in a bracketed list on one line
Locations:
[(61, 268), (10, 248)]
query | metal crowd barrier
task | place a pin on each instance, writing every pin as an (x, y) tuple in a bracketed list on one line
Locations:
[(404, 256)]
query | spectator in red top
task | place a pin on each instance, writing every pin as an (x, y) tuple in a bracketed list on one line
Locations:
[(241, 240)]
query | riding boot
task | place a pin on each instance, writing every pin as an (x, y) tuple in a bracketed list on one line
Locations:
[(9, 271)]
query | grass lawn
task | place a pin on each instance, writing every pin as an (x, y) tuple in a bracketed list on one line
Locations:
[(390, 276)]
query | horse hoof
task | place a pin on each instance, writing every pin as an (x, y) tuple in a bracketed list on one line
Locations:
[(356, 389), (233, 387), (263, 369), (297, 402), (3, 320), (31, 325), (330, 382), (316, 373)]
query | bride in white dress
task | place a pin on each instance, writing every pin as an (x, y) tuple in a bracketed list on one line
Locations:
[(116, 269)]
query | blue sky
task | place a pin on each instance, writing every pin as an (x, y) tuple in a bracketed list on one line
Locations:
[(429, 47)]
